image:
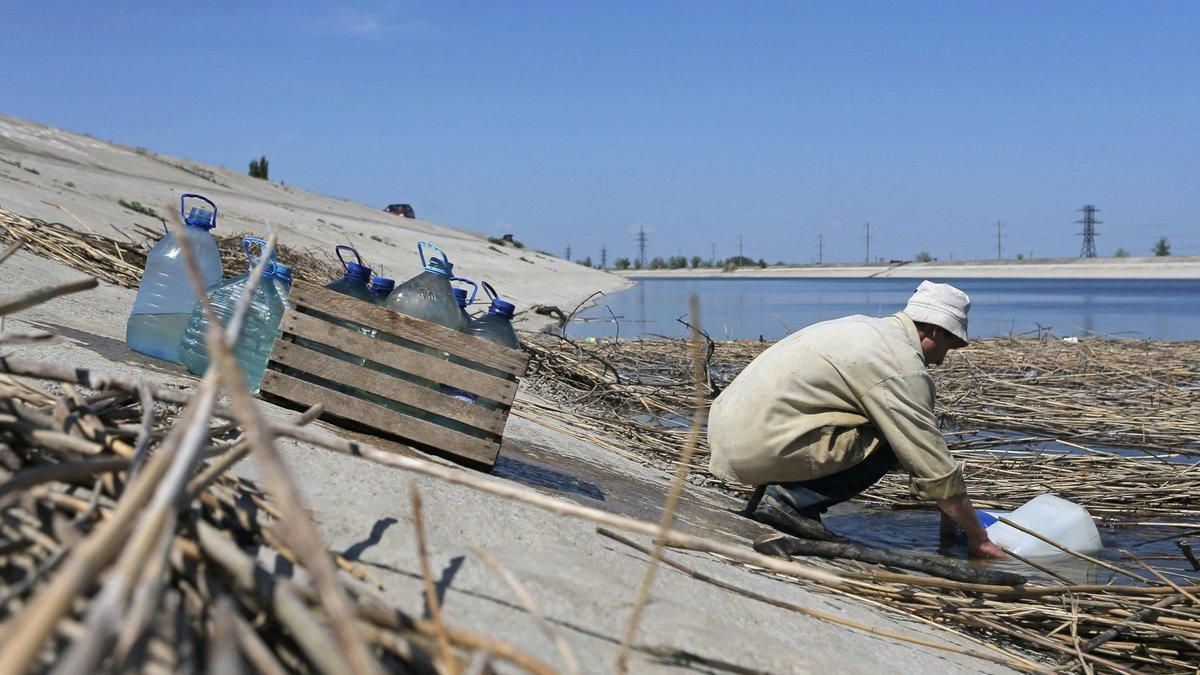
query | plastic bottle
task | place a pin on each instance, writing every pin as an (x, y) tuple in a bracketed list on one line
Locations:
[(1055, 518), (165, 298), (283, 282), (354, 281), (461, 297), (495, 326), (259, 332), (428, 295), (354, 284), (381, 288)]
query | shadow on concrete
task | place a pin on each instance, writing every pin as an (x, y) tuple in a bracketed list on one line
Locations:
[(353, 551)]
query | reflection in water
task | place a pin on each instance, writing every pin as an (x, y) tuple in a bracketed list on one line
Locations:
[(747, 308)]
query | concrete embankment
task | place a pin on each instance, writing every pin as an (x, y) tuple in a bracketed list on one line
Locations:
[(1166, 267)]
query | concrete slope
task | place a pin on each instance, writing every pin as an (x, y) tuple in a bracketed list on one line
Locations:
[(56, 175), (583, 583)]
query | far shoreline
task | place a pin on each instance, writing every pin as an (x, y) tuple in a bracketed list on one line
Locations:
[(1146, 268)]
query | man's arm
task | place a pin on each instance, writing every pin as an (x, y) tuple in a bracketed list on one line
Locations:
[(960, 510)]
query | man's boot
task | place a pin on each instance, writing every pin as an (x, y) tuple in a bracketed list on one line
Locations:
[(778, 510)]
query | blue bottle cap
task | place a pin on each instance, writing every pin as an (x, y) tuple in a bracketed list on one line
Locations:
[(200, 218), (357, 273), (504, 309), (460, 294), (283, 272), (382, 285)]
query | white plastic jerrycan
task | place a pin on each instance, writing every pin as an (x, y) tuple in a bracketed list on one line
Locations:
[(1053, 517)]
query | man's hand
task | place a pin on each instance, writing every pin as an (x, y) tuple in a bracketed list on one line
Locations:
[(987, 549), (959, 511)]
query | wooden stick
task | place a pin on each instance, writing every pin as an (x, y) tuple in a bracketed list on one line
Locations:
[(445, 654), (672, 502)]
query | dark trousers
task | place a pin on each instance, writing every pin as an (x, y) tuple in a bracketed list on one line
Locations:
[(813, 497)]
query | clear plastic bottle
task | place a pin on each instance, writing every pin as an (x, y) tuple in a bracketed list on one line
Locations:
[(354, 281), (259, 332), (283, 282), (381, 288), (428, 295), (165, 298), (495, 326), (460, 296), (354, 284)]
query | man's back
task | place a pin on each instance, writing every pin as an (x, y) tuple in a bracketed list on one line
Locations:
[(793, 397)]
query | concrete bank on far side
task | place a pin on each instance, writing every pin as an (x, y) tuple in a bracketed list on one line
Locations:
[(1165, 267)]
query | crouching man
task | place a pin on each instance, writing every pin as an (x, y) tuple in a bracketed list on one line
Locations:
[(823, 414)]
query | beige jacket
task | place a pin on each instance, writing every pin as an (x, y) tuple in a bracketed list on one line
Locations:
[(823, 399)]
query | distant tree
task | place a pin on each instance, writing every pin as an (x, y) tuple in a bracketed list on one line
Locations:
[(621, 263), (1121, 253), (657, 263), (1020, 256), (1162, 247), (696, 260), (637, 264), (677, 262), (924, 256), (259, 168), (586, 262), (762, 263)]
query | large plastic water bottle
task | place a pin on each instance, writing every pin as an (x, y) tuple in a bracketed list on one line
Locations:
[(461, 297), (496, 326), (354, 284), (354, 280), (1057, 519), (381, 288), (259, 332), (428, 295), (165, 298)]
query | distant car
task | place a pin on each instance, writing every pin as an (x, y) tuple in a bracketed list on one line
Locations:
[(402, 210)]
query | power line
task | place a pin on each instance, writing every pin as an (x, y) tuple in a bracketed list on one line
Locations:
[(867, 236), (603, 257), (999, 241), (641, 239)]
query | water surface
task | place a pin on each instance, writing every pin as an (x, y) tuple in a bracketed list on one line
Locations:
[(773, 308)]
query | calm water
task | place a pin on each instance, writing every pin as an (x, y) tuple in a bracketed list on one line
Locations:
[(773, 308)]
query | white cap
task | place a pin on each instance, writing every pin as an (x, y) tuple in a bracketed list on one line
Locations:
[(941, 305)]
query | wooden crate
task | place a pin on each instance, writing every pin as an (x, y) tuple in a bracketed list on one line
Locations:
[(304, 376)]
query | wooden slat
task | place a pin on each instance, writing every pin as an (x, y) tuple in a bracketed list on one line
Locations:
[(398, 357), (512, 361), (331, 368), (415, 430)]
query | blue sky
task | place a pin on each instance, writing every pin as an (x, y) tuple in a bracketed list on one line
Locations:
[(573, 123)]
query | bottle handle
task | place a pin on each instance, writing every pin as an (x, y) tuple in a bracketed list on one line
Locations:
[(184, 197), (340, 247), (248, 244), (435, 247), (474, 287), (489, 290)]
